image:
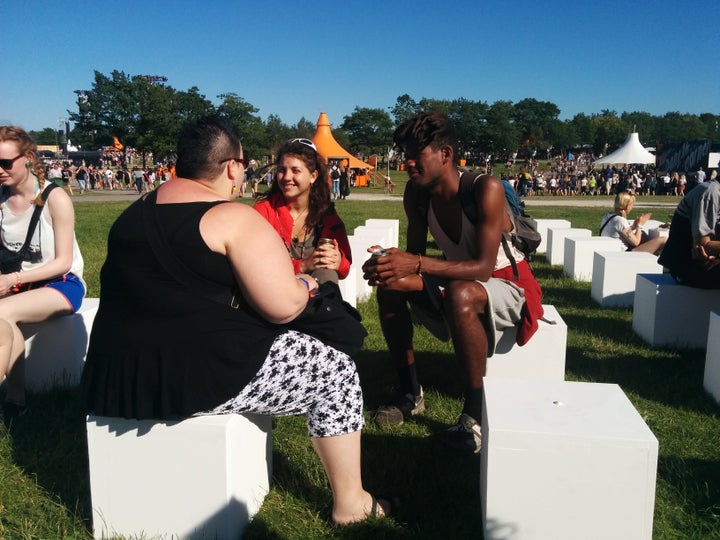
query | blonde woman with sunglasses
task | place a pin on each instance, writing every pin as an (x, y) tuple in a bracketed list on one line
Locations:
[(298, 206), (47, 280)]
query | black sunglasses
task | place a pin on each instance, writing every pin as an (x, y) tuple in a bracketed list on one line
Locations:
[(244, 160), (7, 164)]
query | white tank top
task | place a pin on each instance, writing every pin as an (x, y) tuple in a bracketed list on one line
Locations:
[(13, 230), (465, 249)]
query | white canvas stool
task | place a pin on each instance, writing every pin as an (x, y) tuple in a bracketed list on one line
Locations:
[(360, 241), (579, 255), (392, 225), (542, 226), (666, 313), (543, 357), (614, 276), (556, 242), (711, 378), (55, 350), (564, 461), (348, 286), (202, 477)]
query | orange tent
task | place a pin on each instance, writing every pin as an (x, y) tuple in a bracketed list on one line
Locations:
[(330, 148)]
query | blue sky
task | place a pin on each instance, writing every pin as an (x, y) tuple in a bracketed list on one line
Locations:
[(298, 59)]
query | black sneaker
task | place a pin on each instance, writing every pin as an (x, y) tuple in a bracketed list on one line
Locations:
[(465, 436), (11, 411), (394, 415)]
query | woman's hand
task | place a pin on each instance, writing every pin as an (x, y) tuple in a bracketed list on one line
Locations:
[(7, 282), (327, 256)]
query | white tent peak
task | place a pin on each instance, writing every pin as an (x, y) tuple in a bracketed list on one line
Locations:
[(632, 152)]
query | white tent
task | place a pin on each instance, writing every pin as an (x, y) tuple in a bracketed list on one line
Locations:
[(631, 152)]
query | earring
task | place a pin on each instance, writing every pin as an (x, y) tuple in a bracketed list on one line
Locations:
[(27, 164), (234, 189)]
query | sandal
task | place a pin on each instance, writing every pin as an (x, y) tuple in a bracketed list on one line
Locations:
[(391, 510)]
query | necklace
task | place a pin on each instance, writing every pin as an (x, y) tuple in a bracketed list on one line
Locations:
[(304, 229)]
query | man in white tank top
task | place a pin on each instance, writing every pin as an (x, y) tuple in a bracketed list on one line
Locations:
[(466, 295)]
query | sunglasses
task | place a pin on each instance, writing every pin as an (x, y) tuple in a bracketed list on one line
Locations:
[(243, 160), (7, 164), (306, 142)]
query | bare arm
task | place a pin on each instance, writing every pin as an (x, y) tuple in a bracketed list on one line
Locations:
[(259, 259)]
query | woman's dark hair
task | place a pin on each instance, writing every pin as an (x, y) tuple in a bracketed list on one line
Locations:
[(319, 200), (426, 129), (205, 145)]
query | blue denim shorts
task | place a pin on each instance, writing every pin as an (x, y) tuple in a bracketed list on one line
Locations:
[(69, 285)]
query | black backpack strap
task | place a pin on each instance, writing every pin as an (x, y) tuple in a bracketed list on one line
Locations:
[(36, 217), (174, 266), (467, 200), (605, 224)]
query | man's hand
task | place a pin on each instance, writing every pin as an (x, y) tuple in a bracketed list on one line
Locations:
[(394, 270)]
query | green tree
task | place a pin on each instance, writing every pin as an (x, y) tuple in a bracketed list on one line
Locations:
[(46, 136), (250, 125), (676, 127), (370, 131), (536, 121), (610, 132), (502, 135), (404, 108)]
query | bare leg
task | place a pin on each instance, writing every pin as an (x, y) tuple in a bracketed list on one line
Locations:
[(31, 306), (340, 456)]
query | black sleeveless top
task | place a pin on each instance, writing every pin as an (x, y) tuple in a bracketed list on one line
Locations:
[(159, 349)]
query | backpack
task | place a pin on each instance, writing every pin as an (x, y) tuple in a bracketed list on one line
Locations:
[(335, 173), (525, 236)]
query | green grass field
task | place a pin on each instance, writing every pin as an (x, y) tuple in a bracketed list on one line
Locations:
[(44, 490)]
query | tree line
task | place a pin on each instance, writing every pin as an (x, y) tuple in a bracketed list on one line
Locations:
[(145, 113)]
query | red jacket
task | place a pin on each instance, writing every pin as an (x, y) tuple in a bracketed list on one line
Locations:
[(277, 213)]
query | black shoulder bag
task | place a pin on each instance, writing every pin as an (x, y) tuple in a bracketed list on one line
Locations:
[(327, 316), (11, 261)]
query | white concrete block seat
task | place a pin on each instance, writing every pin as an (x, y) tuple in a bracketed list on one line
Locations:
[(542, 226), (542, 357), (711, 377), (580, 254), (55, 349), (565, 461), (556, 242), (391, 225), (666, 313), (614, 275), (202, 477)]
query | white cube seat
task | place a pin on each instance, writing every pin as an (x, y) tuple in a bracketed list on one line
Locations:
[(580, 254), (666, 313), (542, 226), (202, 477), (711, 378), (393, 227), (55, 349), (360, 241), (542, 357), (556, 242), (563, 461), (348, 286), (614, 276)]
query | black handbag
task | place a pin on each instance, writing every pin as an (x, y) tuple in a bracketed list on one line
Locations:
[(327, 316), (11, 261), (332, 320)]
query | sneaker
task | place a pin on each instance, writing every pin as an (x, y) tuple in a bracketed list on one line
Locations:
[(466, 435), (394, 415), (11, 411)]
